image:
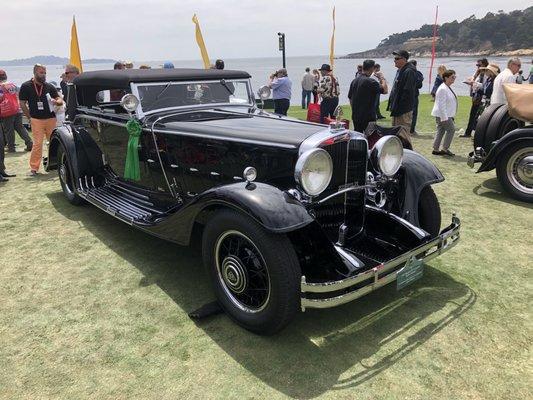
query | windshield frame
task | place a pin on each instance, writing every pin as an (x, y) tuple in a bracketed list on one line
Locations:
[(140, 113)]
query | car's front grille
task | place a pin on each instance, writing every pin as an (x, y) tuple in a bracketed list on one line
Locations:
[(349, 167)]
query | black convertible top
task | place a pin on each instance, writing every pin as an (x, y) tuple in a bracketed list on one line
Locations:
[(122, 78)]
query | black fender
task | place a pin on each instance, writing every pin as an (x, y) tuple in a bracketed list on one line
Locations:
[(275, 210), (84, 155), (500, 145), (418, 172)]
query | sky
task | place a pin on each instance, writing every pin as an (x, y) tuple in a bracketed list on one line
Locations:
[(158, 30)]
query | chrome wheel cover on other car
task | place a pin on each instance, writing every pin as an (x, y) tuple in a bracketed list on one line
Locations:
[(242, 271), (520, 170)]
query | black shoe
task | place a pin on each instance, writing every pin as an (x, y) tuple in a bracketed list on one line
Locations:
[(447, 153), (11, 150), (437, 152), (6, 175), (2, 179), (29, 147), (465, 135)]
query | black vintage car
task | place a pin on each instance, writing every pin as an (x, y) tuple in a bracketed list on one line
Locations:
[(505, 143), (290, 215)]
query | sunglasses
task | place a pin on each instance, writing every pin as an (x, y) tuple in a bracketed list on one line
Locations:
[(397, 58)]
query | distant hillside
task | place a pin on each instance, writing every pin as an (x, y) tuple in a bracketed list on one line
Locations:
[(51, 60), (502, 34)]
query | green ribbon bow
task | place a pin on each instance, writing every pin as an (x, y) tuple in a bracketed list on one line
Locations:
[(131, 169)]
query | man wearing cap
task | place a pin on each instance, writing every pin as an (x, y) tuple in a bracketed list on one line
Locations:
[(328, 88), (36, 98), (402, 97), (11, 115), (508, 75)]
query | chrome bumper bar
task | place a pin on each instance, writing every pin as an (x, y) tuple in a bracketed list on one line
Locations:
[(377, 276)]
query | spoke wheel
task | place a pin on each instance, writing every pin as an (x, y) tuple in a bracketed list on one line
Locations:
[(66, 178), (242, 271), (255, 273), (515, 170)]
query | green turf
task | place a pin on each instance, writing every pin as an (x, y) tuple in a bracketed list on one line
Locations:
[(93, 309)]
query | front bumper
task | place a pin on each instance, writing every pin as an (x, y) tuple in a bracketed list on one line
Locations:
[(372, 279)]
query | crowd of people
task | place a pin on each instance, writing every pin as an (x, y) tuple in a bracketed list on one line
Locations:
[(43, 103)]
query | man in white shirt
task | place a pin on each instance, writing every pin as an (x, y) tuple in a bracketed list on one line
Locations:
[(308, 81), (508, 75)]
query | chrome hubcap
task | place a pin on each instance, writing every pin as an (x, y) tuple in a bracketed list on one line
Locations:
[(242, 271), (520, 170), (234, 274)]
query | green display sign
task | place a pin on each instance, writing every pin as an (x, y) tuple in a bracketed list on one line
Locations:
[(413, 270)]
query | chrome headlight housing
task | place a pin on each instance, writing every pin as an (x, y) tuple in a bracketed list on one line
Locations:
[(387, 155), (129, 102), (313, 171)]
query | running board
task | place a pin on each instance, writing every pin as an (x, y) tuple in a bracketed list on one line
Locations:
[(120, 202)]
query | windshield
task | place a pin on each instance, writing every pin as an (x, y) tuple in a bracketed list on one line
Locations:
[(177, 94)]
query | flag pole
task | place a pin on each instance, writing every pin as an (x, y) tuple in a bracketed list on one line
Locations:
[(433, 47), (201, 43), (332, 42)]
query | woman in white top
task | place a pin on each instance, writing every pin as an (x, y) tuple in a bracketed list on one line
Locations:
[(444, 111)]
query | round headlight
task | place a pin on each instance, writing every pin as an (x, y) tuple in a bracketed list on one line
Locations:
[(387, 155), (129, 102), (313, 171)]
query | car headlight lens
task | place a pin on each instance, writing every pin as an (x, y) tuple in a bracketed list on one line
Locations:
[(313, 171), (387, 155)]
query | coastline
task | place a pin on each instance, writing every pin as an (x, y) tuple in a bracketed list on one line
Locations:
[(384, 53)]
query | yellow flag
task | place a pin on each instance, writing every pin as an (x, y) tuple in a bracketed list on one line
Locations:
[(332, 43), (75, 58), (201, 44)]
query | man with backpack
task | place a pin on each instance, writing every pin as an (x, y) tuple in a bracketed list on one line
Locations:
[(11, 115), (419, 81)]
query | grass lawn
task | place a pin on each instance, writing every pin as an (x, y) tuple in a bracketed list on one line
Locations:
[(93, 309)]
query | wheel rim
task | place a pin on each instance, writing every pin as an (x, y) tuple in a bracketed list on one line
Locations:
[(242, 271), (64, 175), (520, 170)]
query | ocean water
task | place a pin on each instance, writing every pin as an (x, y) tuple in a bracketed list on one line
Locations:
[(261, 68)]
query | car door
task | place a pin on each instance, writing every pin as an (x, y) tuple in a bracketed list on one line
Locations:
[(112, 137)]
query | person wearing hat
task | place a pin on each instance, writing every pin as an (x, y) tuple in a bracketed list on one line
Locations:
[(475, 83), (128, 65), (402, 98), (328, 89), (11, 115)]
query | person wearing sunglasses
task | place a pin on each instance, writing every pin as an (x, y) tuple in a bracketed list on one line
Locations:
[(508, 75), (402, 98), (71, 71)]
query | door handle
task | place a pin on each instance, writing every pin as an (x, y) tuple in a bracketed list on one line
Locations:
[(150, 160), (173, 166)]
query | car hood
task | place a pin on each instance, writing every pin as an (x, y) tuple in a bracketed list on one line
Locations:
[(266, 128)]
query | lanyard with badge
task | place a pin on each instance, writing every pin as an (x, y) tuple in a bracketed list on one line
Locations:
[(40, 104)]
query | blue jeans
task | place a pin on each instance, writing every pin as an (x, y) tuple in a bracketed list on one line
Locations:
[(306, 98)]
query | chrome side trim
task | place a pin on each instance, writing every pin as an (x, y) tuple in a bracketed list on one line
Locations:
[(425, 252)]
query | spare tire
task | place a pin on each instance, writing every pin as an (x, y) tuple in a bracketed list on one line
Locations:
[(499, 125), (483, 123)]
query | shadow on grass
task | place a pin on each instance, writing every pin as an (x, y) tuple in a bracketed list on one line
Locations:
[(321, 350), (492, 189)]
